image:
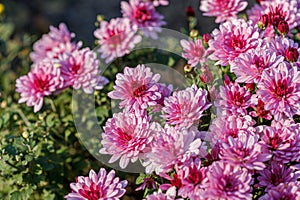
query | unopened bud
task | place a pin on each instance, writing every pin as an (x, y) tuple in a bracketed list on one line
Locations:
[(188, 68), (291, 54), (250, 86), (190, 12), (263, 22), (283, 28), (206, 37), (194, 33)]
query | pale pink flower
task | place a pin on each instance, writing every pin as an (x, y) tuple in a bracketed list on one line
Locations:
[(169, 195), (184, 108), (41, 81), (170, 146), (223, 10), (159, 2), (275, 174), (139, 87), (227, 181), (97, 186), (231, 39), (193, 51), (283, 139), (249, 66), (245, 151), (144, 15), (279, 89), (281, 45), (126, 136), (233, 99), (289, 190), (233, 125), (116, 38), (54, 38), (80, 70)]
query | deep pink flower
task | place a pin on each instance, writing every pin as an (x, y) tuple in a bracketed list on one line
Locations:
[(193, 51), (227, 181), (54, 38), (289, 190), (80, 70), (138, 87), (283, 139), (116, 38), (245, 151), (279, 89), (144, 15), (170, 146), (275, 174), (222, 9), (126, 136), (159, 2), (233, 99), (277, 10), (42, 80), (231, 39), (249, 66), (97, 186), (184, 108), (259, 108)]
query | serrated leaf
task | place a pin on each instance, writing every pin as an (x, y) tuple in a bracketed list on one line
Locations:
[(140, 179), (23, 194), (50, 119)]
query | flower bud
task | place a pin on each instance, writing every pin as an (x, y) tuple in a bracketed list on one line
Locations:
[(263, 22), (283, 28), (190, 12), (250, 86), (188, 68), (291, 54), (206, 37)]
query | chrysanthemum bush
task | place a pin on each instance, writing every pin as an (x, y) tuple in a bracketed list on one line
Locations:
[(231, 132)]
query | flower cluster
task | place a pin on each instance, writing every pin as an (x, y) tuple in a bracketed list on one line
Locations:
[(246, 147), (59, 63)]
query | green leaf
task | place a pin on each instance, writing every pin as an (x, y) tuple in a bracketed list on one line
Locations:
[(23, 194), (140, 179), (50, 119)]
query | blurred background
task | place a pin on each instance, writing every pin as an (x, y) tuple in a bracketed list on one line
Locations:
[(35, 16)]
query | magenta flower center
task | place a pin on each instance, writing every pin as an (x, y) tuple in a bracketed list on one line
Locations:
[(259, 63), (275, 142), (236, 42), (124, 138), (41, 84), (195, 175), (92, 193), (142, 14), (140, 91), (229, 185), (281, 89)]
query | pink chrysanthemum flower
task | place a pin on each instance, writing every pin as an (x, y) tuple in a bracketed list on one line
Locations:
[(283, 47), (283, 139), (193, 51), (170, 146), (233, 99), (169, 195), (53, 39), (80, 70), (234, 125), (126, 136), (184, 108), (279, 89), (42, 80), (222, 9), (159, 2), (187, 178), (116, 38), (259, 108), (275, 174), (231, 39), (97, 186), (289, 190), (138, 87), (249, 66), (144, 15), (226, 181), (245, 151)]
